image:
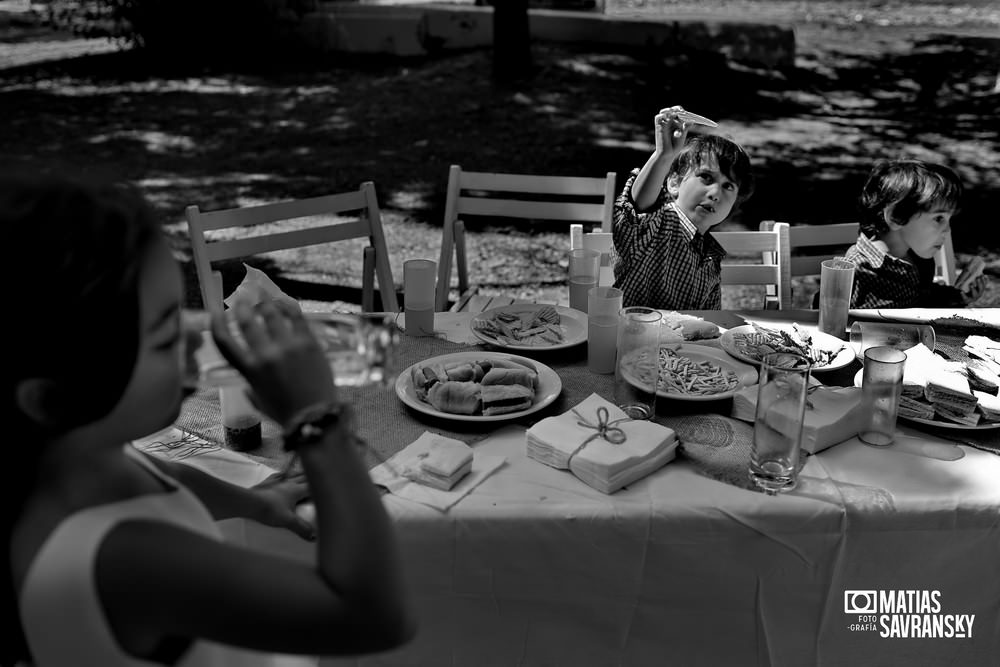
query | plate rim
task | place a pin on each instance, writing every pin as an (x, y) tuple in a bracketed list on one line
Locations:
[(929, 422), (718, 355), (403, 379), (577, 314), (846, 351)]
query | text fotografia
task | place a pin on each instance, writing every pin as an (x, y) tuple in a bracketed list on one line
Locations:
[(909, 614)]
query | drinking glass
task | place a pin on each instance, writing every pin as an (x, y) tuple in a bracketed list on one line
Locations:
[(835, 284), (603, 306), (637, 369), (419, 277), (777, 429), (881, 387), (887, 334), (584, 266)]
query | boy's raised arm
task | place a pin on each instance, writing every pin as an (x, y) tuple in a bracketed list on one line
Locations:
[(670, 133)]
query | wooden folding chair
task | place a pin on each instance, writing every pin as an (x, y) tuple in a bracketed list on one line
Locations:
[(771, 247), (472, 193), (337, 217)]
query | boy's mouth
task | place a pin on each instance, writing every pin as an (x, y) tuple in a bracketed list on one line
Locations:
[(707, 207)]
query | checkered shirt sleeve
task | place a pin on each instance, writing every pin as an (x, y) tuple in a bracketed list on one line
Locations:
[(660, 260), (885, 281)]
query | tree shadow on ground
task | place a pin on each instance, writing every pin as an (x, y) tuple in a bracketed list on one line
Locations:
[(225, 138)]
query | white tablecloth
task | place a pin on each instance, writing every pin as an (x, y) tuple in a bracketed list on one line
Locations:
[(536, 568)]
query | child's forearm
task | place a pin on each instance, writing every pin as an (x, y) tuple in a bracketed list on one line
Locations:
[(648, 183), (223, 499)]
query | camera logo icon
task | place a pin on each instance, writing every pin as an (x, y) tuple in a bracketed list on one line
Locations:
[(860, 602)]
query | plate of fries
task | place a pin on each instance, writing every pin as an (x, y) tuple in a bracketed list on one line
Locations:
[(752, 342), (696, 373), (531, 326)]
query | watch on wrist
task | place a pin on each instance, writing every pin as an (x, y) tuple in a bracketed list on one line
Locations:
[(310, 425)]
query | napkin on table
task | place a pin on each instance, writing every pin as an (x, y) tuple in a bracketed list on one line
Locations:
[(391, 474), (607, 467), (834, 416)]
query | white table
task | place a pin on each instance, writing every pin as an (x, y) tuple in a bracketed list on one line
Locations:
[(536, 568)]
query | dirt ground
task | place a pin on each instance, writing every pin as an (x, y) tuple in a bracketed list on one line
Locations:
[(872, 80)]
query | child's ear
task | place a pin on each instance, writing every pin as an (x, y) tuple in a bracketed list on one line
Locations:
[(889, 220), (673, 184), (43, 402)]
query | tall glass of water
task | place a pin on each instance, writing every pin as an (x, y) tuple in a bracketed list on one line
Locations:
[(777, 429)]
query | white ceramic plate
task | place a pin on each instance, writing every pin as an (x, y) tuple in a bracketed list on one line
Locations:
[(572, 322), (985, 426), (820, 340), (549, 386), (747, 375)]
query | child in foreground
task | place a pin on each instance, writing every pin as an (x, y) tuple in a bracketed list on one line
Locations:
[(113, 557), (907, 207), (665, 256)]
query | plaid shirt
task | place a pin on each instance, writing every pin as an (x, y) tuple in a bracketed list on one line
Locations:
[(660, 259), (882, 280)]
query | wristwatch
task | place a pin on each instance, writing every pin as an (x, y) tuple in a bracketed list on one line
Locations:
[(309, 426)]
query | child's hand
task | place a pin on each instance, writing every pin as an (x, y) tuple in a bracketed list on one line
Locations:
[(280, 497), (670, 131), (974, 290)]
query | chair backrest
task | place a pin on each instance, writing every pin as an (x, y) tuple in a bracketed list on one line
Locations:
[(771, 247), (335, 217), (811, 244), (522, 197), (601, 242)]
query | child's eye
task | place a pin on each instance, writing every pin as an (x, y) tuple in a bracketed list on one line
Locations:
[(705, 178), (729, 186), (169, 343)]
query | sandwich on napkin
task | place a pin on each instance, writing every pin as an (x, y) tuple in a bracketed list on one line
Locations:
[(948, 389), (442, 465)]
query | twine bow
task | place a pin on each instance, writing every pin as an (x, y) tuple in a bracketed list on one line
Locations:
[(605, 429)]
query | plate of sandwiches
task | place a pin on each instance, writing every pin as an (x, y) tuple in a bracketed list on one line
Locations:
[(530, 326), (941, 393), (752, 342), (478, 386)]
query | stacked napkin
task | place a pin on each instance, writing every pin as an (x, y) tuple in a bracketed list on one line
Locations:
[(601, 464), (832, 416)]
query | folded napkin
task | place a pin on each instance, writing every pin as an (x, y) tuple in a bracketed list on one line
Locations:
[(393, 474), (629, 450), (832, 416)]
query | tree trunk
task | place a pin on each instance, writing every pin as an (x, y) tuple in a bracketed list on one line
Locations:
[(511, 40)]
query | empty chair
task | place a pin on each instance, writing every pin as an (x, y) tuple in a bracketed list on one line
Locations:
[(771, 248), (515, 197), (340, 217)]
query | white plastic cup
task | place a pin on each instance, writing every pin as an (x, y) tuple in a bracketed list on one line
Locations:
[(419, 278)]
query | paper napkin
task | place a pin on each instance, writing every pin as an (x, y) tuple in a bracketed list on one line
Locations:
[(833, 415), (566, 442), (391, 474)]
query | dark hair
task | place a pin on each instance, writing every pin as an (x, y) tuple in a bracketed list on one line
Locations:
[(906, 188), (733, 161), (74, 252)]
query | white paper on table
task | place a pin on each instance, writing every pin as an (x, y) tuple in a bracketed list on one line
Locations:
[(389, 475)]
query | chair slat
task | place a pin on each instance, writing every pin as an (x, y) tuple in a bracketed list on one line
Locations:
[(528, 210), (287, 210), (581, 186), (298, 238)]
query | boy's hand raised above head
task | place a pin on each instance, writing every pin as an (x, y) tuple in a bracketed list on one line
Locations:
[(670, 131)]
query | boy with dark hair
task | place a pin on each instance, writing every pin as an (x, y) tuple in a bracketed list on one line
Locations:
[(664, 255)]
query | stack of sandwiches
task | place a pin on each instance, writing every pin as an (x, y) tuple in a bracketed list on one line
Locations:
[(603, 465), (483, 387), (936, 389), (441, 465)]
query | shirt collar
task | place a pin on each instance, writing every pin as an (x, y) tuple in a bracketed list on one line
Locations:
[(873, 252), (709, 246)]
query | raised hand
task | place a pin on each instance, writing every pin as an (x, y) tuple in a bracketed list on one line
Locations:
[(670, 131)]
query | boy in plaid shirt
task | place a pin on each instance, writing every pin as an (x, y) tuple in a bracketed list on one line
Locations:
[(907, 207), (664, 255)]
